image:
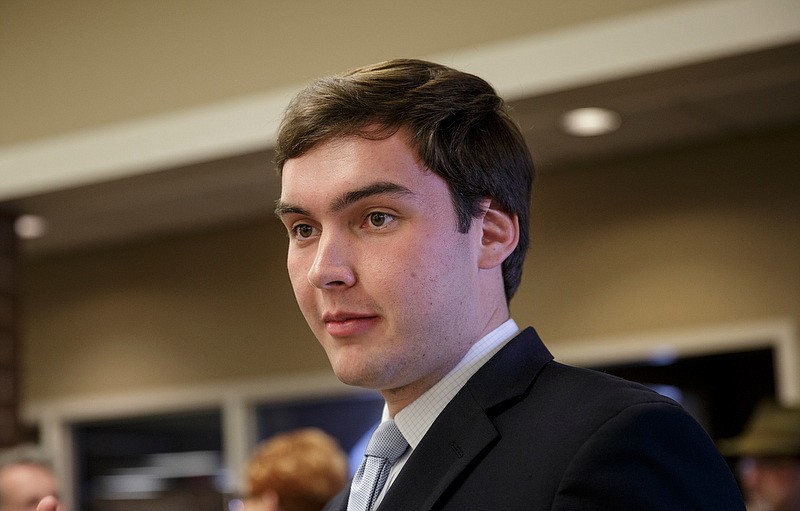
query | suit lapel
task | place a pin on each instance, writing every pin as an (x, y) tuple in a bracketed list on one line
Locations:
[(464, 429), (440, 457)]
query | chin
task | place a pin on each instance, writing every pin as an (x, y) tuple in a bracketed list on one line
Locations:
[(355, 377), (352, 379), (357, 366)]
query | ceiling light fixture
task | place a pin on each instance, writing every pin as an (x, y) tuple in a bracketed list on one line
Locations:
[(590, 122), (29, 227)]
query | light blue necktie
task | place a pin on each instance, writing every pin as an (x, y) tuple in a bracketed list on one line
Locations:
[(385, 447)]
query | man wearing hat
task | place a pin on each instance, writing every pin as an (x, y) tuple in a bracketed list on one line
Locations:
[(769, 449)]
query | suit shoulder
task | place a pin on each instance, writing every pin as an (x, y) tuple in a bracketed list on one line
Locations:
[(590, 390)]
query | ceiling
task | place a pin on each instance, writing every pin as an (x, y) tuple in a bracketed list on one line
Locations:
[(661, 110)]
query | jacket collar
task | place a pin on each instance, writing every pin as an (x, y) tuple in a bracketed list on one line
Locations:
[(465, 427)]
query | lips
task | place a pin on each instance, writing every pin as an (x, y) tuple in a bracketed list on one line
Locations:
[(345, 324)]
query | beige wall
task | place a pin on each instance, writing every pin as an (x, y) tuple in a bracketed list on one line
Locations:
[(694, 237), (75, 65), (194, 309), (699, 236)]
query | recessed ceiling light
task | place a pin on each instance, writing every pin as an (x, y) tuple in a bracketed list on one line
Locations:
[(30, 227), (590, 122)]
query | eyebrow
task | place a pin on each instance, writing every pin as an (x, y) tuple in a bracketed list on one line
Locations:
[(348, 198)]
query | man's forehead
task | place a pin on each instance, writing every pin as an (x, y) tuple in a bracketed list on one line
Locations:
[(351, 162)]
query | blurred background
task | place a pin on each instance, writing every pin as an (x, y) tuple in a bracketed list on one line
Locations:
[(148, 333)]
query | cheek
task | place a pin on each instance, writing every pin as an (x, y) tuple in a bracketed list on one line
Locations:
[(445, 263), (427, 278), (298, 274)]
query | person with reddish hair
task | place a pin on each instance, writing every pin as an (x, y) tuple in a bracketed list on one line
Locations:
[(295, 471)]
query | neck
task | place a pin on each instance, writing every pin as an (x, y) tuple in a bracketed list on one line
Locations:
[(398, 398)]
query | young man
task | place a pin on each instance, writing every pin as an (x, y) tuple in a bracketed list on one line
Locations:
[(406, 193)]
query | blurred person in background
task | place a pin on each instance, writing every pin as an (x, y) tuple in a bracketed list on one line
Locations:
[(769, 452), (295, 471), (26, 477)]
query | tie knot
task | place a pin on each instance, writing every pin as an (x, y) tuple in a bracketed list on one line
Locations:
[(387, 442)]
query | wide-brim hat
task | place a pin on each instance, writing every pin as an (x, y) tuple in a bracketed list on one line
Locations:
[(772, 430)]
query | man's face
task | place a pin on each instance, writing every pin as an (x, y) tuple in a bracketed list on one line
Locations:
[(771, 484), (22, 486), (384, 279)]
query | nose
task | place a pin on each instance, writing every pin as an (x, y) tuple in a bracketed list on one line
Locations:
[(332, 267)]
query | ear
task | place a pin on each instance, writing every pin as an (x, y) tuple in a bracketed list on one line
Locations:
[(499, 235)]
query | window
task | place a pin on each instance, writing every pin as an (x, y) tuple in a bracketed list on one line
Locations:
[(150, 463)]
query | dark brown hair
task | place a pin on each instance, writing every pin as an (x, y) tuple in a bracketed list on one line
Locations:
[(459, 126)]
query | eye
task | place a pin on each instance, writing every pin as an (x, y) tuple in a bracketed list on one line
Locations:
[(302, 231), (379, 219)]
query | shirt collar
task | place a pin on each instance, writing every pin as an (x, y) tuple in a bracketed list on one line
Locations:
[(415, 419)]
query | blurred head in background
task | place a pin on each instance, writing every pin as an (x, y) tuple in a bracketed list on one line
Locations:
[(769, 452), (296, 471), (26, 477)]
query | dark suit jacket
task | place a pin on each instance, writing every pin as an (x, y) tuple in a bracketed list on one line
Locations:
[(529, 433)]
